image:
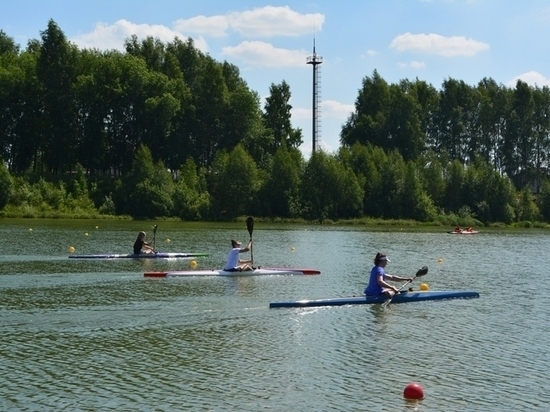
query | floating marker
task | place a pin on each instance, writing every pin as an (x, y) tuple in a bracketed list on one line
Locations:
[(86, 234), (168, 241), (424, 286), (193, 264), (292, 248), (97, 227), (440, 260), (71, 249), (413, 391)]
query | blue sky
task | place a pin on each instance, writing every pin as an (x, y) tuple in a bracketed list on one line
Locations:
[(269, 41)]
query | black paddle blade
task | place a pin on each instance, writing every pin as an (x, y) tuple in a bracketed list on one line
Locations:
[(422, 271), (250, 225)]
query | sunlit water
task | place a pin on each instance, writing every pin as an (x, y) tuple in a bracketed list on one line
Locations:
[(97, 335)]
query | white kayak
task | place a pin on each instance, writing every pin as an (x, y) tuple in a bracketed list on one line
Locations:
[(221, 272)]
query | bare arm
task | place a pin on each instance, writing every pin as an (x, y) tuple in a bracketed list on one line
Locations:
[(397, 278), (247, 248)]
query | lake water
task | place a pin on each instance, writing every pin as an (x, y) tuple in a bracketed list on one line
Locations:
[(95, 335)]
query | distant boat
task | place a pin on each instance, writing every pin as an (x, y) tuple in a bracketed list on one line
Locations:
[(464, 232)]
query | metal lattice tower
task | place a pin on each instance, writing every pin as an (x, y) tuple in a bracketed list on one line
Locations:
[(315, 60)]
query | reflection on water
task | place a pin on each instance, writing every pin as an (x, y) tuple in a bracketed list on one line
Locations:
[(97, 335)]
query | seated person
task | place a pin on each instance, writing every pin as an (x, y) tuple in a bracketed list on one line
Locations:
[(141, 246), (233, 262)]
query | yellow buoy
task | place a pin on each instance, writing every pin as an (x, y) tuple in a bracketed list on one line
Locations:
[(71, 249), (86, 234), (193, 264), (30, 229), (168, 240), (424, 286), (97, 227), (292, 248), (439, 260)]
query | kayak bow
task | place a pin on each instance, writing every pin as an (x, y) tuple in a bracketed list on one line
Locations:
[(362, 300)]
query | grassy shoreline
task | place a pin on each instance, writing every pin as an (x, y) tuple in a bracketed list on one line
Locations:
[(443, 221)]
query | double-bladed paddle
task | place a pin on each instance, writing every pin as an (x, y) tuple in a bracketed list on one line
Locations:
[(250, 227), (154, 237), (421, 272)]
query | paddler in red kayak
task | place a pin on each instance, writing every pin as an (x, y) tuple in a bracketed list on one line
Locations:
[(378, 284), (235, 264)]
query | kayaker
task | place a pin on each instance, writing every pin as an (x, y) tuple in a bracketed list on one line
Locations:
[(141, 246), (378, 284), (233, 262), (458, 229)]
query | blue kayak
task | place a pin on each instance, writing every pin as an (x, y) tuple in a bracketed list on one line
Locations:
[(158, 255), (403, 297)]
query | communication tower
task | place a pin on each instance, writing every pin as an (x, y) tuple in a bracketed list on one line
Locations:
[(315, 60)]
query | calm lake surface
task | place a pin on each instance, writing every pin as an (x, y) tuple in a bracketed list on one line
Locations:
[(95, 335)]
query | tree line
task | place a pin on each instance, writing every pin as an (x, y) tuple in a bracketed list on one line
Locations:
[(165, 130)]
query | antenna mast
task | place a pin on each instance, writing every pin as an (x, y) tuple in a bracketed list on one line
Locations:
[(316, 60)]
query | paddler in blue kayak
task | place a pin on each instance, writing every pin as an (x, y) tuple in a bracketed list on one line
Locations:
[(141, 246), (235, 264), (378, 284)]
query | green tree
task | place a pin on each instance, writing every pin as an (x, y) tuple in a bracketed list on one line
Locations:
[(527, 209), (56, 72), (543, 200), (234, 181), (433, 177), (518, 144), (6, 185), (191, 199), (277, 118), (148, 191), (455, 178), (330, 189), (457, 108), (369, 122), (404, 122), (282, 188)]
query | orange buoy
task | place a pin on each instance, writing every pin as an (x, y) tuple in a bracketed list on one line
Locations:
[(413, 391)]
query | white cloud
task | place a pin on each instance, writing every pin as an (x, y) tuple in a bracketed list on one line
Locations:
[(272, 21), (264, 22), (298, 113), (330, 109), (437, 44), (336, 110), (413, 65), (112, 36), (417, 65), (532, 78), (215, 26), (371, 53), (261, 54)]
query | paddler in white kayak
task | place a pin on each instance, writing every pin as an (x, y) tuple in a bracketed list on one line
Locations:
[(234, 264), (378, 277)]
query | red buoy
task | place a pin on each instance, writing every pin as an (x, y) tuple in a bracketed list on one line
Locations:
[(413, 391)]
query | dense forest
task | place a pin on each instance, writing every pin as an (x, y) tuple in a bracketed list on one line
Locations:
[(164, 130)]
